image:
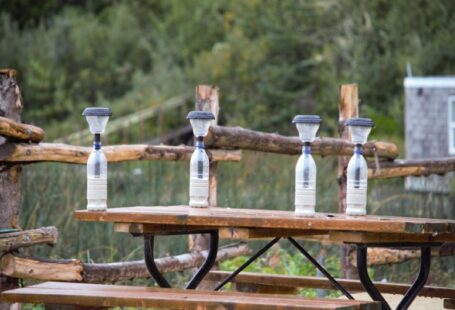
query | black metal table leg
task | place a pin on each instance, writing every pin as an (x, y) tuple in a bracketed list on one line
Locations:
[(315, 263), (247, 263), (362, 269), (419, 283), (149, 241), (200, 274), (209, 261)]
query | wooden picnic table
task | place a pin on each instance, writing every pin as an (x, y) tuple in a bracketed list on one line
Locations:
[(361, 231)]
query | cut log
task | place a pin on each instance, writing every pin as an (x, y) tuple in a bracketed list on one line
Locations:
[(242, 138), (71, 154), (381, 256), (74, 270), (41, 269), (18, 131), (26, 238), (103, 273), (404, 168), (10, 185)]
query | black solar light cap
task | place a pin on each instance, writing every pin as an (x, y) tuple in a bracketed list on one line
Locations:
[(200, 115), (95, 111), (307, 119), (365, 122)]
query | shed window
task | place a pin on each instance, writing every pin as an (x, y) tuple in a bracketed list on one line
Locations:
[(452, 125)]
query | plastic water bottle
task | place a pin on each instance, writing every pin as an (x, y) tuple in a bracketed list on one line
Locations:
[(199, 163), (357, 173), (305, 170)]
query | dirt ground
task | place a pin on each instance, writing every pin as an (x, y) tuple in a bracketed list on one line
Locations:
[(420, 303)]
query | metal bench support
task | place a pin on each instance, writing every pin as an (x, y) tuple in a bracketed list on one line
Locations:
[(419, 283)]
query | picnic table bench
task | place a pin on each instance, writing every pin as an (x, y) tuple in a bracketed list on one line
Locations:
[(95, 296)]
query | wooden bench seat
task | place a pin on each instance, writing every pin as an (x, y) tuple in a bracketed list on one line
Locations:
[(105, 296), (266, 283)]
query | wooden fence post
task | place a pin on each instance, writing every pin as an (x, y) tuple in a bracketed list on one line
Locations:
[(206, 100), (349, 107), (10, 107)]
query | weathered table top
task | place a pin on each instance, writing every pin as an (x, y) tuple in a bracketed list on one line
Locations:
[(253, 223)]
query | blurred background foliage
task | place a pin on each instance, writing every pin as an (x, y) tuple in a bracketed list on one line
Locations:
[(272, 59)]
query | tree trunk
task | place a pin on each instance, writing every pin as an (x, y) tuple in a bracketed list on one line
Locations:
[(10, 107)]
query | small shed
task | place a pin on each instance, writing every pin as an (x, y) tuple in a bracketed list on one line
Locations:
[(430, 126)]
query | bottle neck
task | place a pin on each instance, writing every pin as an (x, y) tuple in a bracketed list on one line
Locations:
[(200, 143), (306, 149), (97, 142), (358, 149)]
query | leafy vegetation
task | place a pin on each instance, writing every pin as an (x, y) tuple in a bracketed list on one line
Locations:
[(272, 59)]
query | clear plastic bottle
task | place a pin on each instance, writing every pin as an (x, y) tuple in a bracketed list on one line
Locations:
[(97, 181), (305, 184), (357, 183), (199, 177)]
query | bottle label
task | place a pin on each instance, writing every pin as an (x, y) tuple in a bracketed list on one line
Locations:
[(96, 193), (356, 201), (199, 192), (305, 201)]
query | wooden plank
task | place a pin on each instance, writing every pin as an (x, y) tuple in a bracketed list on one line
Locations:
[(323, 283), (26, 238), (254, 218), (118, 296), (71, 154), (18, 131), (383, 237), (233, 233)]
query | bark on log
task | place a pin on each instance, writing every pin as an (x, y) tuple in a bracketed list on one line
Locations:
[(10, 107), (71, 154), (242, 138), (26, 238), (382, 256), (74, 270), (102, 273), (18, 131), (403, 168)]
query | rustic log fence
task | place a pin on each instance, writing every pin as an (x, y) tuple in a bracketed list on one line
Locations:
[(20, 144)]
